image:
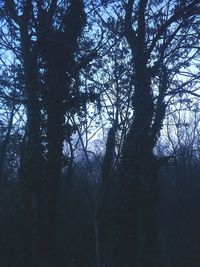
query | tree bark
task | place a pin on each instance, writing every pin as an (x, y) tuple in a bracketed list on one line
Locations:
[(32, 162), (55, 96), (138, 178)]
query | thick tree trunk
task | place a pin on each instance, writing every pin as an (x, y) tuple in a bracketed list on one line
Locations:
[(138, 227), (149, 216), (137, 179), (131, 176), (31, 166), (55, 137)]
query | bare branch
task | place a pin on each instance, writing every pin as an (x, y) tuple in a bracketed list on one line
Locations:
[(187, 11), (129, 32)]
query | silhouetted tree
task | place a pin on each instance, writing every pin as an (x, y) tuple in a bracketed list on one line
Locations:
[(156, 32)]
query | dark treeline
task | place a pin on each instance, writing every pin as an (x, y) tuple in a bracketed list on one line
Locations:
[(99, 133)]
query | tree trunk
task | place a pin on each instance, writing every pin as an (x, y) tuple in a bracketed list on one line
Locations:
[(31, 165), (32, 162), (105, 214), (136, 173), (149, 217), (55, 96), (5, 143)]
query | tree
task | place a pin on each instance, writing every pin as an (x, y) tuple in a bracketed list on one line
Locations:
[(32, 157), (58, 48), (68, 68), (47, 53), (157, 35)]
